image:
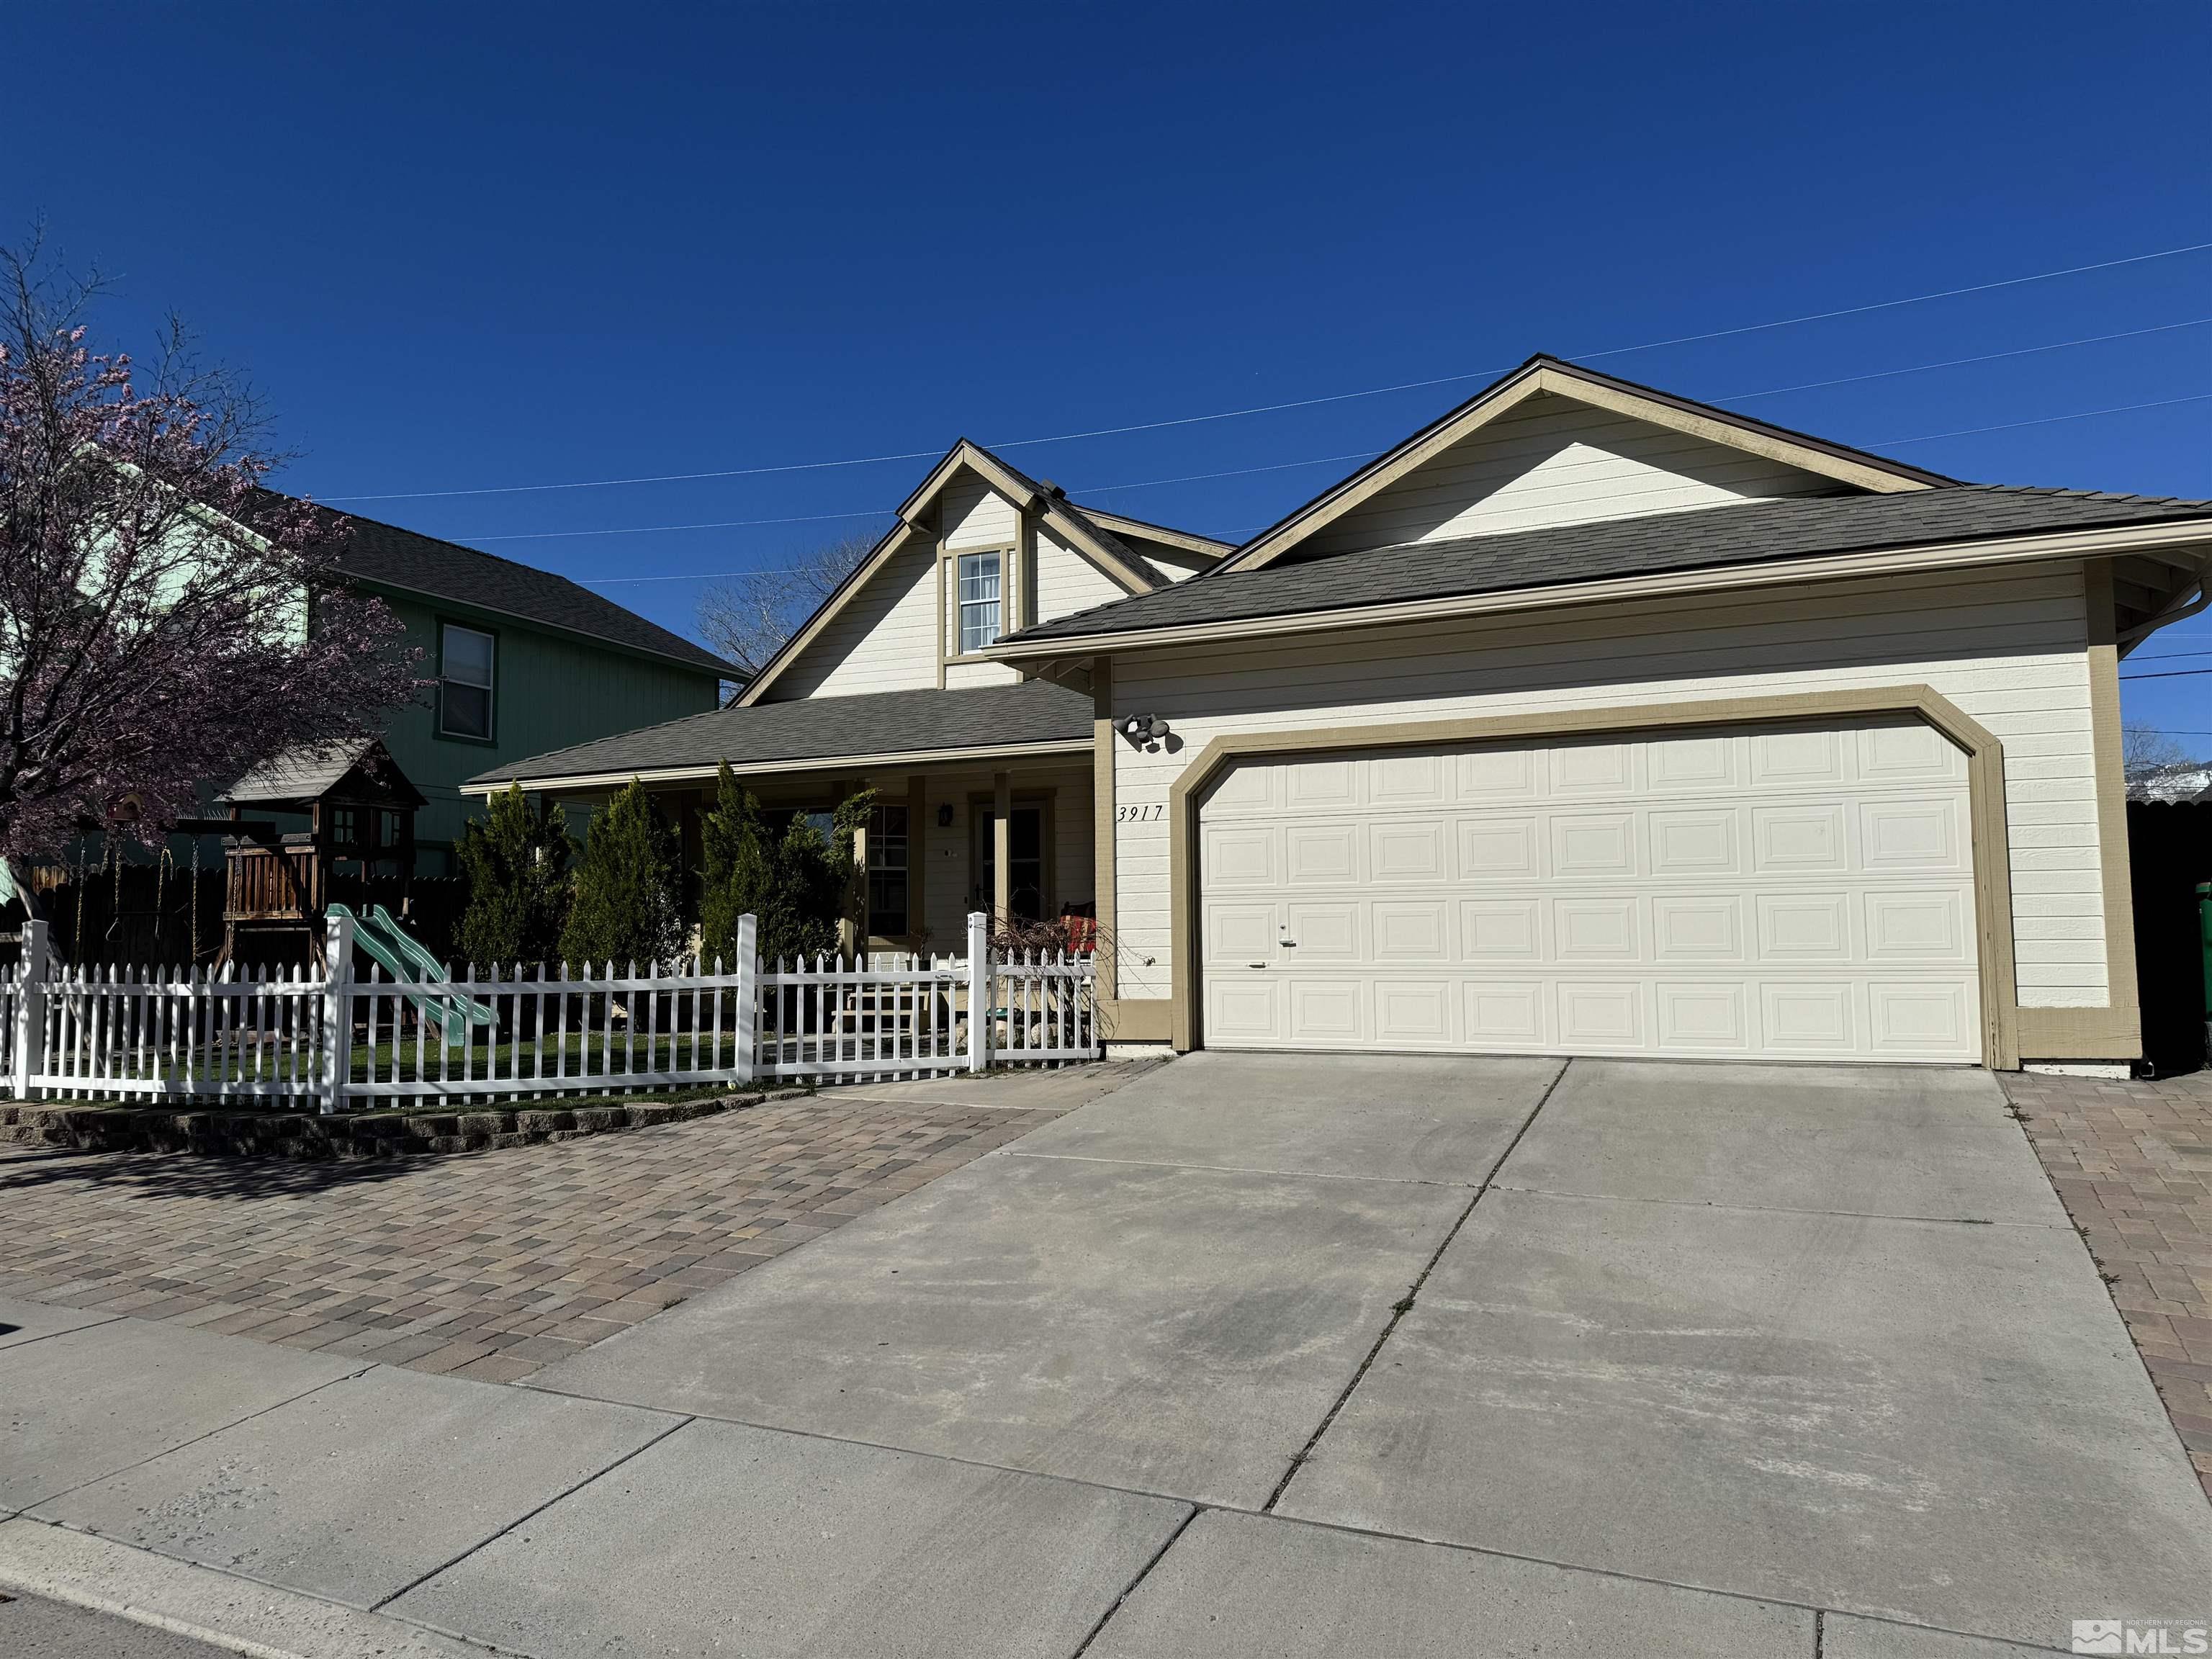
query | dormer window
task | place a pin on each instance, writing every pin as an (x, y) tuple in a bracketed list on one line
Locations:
[(979, 609)]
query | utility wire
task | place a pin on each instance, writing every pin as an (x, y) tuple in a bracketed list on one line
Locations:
[(1300, 403), (2047, 420), (734, 523)]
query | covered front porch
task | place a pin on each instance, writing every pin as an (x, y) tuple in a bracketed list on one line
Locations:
[(985, 796)]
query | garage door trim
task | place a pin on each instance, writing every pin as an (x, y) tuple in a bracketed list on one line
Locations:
[(1984, 755)]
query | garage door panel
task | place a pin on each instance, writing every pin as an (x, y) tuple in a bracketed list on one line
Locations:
[(1408, 781), (1414, 1014), (1701, 1018), (1811, 1016), (1501, 930), (1593, 844), (1329, 1012), (1705, 927), (1504, 1014), (1908, 753), (1911, 834), (1601, 1014), (1240, 855), (1794, 759), (1700, 841), (1240, 934), (1799, 892), (1594, 930), (1593, 768), (1407, 851), (1799, 839), (1928, 1017), (1804, 927), (1321, 785), (1327, 932), (1495, 774), (1917, 924), (1244, 791), (1697, 765), (1245, 1010), (1321, 853), (1498, 849)]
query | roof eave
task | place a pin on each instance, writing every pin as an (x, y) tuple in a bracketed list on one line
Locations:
[(2110, 541)]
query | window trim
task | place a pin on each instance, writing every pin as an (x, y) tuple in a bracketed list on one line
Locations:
[(491, 739), (1001, 560)]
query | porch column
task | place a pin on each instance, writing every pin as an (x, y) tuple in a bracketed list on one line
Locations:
[(1002, 845)]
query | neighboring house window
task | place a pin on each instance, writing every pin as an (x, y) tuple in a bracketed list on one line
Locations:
[(887, 872), (464, 683), (979, 601)]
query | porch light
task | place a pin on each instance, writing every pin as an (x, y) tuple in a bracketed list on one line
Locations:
[(1144, 728)]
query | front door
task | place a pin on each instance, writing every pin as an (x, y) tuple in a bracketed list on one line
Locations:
[(1025, 836)]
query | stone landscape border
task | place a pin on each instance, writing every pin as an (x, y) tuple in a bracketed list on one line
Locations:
[(350, 1137)]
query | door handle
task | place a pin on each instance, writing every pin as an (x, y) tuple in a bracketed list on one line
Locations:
[(1255, 964)]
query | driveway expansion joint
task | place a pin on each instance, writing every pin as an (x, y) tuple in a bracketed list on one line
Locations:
[(1405, 1305), (528, 1514), (220, 1428)]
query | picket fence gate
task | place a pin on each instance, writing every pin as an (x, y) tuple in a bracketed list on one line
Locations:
[(336, 1041)]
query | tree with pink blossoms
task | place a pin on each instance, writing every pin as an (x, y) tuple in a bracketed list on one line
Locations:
[(165, 621)]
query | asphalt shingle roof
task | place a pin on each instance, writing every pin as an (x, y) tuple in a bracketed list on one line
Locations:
[(1748, 532), (827, 728), (391, 557)]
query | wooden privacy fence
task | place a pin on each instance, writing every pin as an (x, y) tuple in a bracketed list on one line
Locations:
[(496, 1033)]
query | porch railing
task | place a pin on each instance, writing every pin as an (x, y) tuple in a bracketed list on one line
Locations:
[(334, 1041)]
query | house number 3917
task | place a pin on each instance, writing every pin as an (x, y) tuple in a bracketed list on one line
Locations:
[(1138, 814)]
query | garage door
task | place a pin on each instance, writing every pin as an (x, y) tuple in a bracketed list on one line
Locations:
[(1804, 893)]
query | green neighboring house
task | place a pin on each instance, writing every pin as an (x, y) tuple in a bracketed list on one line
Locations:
[(525, 662)]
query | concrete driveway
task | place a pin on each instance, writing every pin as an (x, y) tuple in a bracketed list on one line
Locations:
[(1256, 1356), (1694, 1354)]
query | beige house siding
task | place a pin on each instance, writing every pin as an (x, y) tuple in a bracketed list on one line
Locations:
[(1066, 582), (1554, 461), (2011, 649), (884, 640), (973, 514)]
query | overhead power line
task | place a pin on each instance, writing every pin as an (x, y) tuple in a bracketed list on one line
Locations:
[(1297, 402), (1100, 490), (2047, 420)]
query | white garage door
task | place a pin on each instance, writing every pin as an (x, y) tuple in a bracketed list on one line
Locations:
[(1801, 892)]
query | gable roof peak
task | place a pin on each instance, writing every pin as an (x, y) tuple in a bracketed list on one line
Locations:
[(1543, 372)]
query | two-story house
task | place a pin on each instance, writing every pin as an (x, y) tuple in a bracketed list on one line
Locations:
[(985, 776), (523, 660), (1588, 720)]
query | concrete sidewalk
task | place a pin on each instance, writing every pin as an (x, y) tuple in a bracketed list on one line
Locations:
[(1257, 1355)]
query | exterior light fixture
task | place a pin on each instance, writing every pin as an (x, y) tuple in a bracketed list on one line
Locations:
[(1144, 728)]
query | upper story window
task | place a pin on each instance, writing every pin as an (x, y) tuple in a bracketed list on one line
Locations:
[(465, 658), (979, 601)]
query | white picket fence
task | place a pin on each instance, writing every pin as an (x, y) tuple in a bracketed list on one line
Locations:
[(494, 1034)]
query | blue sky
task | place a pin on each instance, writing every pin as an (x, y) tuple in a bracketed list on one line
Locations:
[(469, 247)]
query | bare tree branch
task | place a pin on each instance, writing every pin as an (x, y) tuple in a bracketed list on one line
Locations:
[(749, 620)]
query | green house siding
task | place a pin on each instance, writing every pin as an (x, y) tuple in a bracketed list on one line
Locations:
[(550, 690)]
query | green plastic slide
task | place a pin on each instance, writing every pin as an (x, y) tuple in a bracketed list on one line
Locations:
[(400, 954)]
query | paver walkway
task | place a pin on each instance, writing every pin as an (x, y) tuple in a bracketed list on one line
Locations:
[(2132, 1162), (493, 1264)]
